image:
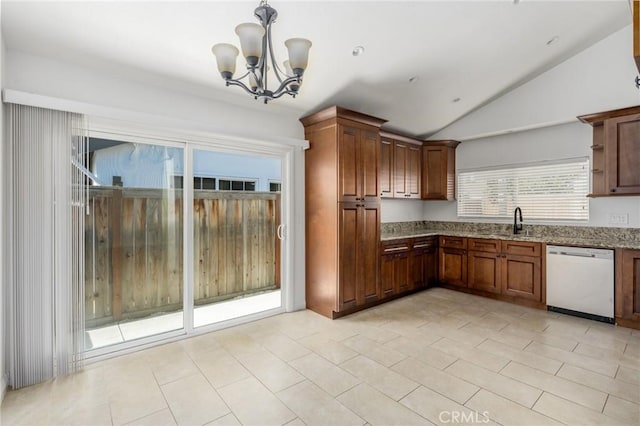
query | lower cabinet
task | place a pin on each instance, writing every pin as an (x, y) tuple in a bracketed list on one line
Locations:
[(424, 262), (484, 271), (453, 261), (521, 277), (407, 265), (508, 268), (628, 288), (359, 236), (394, 267)]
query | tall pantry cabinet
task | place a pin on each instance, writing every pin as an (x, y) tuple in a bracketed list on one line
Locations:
[(342, 203)]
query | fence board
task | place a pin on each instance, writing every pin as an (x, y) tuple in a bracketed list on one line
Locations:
[(234, 242), (127, 266)]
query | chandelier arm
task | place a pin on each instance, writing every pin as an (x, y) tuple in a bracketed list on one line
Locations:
[(284, 85), (276, 69), (262, 62), (276, 95), (244, 86)]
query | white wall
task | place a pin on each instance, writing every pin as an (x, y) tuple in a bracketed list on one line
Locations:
[(151, 104), (401, 210), (550, 143), (599, 78)]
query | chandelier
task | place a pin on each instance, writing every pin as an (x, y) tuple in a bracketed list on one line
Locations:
[(255, 41)]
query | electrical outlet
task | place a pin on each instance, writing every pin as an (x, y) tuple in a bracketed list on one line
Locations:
[(618, 218)]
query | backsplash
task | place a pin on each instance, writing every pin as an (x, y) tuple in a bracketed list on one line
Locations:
[(542, 231)]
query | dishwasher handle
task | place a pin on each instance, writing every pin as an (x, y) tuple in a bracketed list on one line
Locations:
[(565, 253)]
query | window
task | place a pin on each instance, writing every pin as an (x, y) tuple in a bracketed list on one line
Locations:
[(550, 191), (204, 182), (201, 182), (237, 185), (275, 187)]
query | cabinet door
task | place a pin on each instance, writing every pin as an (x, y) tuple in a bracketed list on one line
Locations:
[(484, 271), (348, 256), (402, 279), (368, 164), (358, 254), (521, 277), (413, 173), (430, 266), (400, 154), (349, 182), (368, 252), (453, 266), (387, 286), (434, 174), (424, 267), (386, 168), (622, 153), (630, 297), (416, 268)]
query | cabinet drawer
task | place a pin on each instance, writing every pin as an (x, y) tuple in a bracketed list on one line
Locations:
[(424, 243), (394, 246), (453, 242), (521, 248), (485, 245)]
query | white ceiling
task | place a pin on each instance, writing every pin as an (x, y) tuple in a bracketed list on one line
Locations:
[(473, 50)]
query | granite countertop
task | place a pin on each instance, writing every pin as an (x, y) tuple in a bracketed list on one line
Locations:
[(553, 240)]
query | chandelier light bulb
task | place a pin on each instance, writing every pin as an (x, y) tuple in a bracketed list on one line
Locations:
[(298, 54), (251, 42), (226, 55)]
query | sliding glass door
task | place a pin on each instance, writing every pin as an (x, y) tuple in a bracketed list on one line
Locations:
[(177, 237), (236, 249), (133, 242)]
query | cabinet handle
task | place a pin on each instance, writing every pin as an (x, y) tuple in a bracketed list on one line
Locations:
[(613, 190), (421, 245), (395, 249)]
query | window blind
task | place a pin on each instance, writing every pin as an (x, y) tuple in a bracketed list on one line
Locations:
[(44, 241), (554, 191)]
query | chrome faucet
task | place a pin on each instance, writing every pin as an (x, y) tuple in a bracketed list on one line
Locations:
[(517, 227)]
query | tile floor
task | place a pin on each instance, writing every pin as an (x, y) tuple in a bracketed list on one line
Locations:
[(437, 357), (202, 315)]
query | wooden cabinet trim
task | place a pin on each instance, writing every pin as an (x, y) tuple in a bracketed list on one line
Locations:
[(336, 111), (600, 117), (522, 248), (483, 244), (400, 137), (453, 242)]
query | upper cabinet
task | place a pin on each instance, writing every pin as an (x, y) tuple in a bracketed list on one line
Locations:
[(400, 166), (616, 152), (439, 170), (358, 169)]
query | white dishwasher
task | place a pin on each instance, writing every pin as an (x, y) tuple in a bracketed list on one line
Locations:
[(580, 282)]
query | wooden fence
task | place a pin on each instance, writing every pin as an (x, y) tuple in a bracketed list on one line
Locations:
[(134, 250)]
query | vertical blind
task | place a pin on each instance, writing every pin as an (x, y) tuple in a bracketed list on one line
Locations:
[(45, 237), (554, 191)]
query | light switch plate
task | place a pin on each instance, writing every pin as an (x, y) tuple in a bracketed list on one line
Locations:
[(618, 218)]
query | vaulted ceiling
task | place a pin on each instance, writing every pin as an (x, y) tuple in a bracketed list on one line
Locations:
[(458, 55)]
